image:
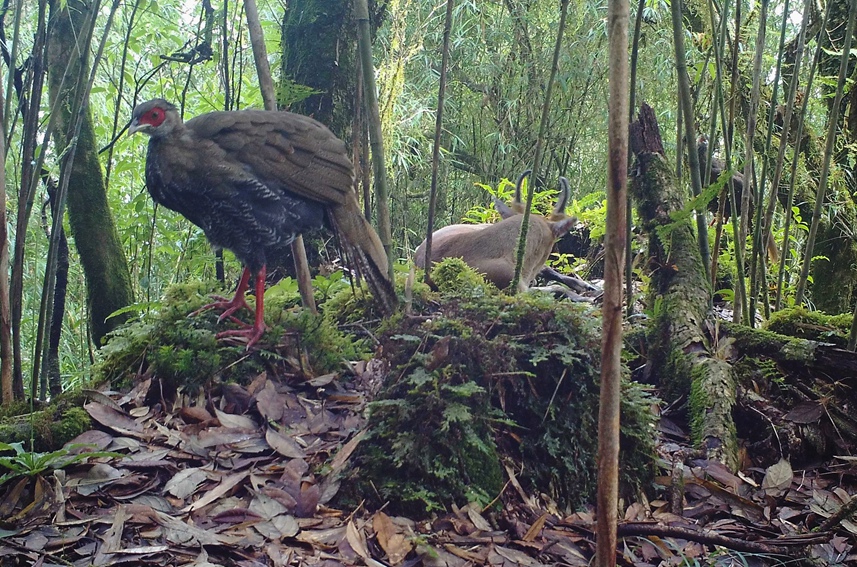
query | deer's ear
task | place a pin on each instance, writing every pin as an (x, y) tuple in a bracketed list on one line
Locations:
[(502, 208), (560, 227)]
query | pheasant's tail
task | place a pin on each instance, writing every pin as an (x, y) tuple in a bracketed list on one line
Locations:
[(364, 252)]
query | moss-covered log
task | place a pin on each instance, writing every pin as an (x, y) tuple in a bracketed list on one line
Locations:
[(683, 334), (49, 427), (108, 279), (795, 393)]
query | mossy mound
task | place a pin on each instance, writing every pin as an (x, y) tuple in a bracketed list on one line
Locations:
[(812, 325), (182, 350), (49, 426), (484, 382)]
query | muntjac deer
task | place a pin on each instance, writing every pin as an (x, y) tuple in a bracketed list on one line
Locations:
[(491, 248)]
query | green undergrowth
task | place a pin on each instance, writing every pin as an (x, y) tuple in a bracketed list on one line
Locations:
[(181, 349), (484, 385)]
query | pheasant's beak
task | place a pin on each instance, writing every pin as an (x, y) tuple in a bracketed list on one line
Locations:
[(137, 127)]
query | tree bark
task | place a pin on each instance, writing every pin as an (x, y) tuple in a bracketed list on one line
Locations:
[(103, 259), (55, 332), (320, 51), (683, 331), (6, 387)]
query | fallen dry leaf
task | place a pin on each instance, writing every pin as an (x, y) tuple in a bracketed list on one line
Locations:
[(286, 446), (356, 540), (114, 419), (393, 542), (778, 477)]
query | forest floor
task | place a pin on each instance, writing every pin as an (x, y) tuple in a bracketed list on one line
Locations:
[(195, 485)]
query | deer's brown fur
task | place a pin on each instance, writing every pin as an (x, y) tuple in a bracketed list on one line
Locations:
[(491, 248)]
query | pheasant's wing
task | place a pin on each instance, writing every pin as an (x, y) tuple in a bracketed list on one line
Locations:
[(283, 149)]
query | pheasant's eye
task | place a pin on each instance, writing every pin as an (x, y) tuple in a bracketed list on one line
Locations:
[(154, 117)]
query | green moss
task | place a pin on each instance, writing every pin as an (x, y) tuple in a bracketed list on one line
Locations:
[(767, 343), (74, 421), (14, 409), (49, 426), (455, 278), (676, 375), (813, 325), (698, 403)]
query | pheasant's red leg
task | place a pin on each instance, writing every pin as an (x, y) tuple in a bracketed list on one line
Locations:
[(255, 332), (230, 306)]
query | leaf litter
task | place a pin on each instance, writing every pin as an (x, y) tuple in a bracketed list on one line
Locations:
[(245, 476)]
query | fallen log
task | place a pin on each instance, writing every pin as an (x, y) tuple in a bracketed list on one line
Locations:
[(683, 332)]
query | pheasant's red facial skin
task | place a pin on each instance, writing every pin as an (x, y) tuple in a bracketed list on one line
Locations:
[(153, 118)]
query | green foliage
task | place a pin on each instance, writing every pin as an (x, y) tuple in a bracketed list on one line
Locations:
[(591, 210), (30, 463), (286, 293), (543, 201), (490, 378), (759, 372), (450, 452), (289, 92), (491, 120)]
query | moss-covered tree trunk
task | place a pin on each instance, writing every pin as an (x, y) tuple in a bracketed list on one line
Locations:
[(108, 278), (834, 280), (320, 51), (683, 334)]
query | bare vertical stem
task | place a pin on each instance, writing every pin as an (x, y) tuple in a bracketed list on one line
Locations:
[(31, 163), (784, 141), (376, 141), (81, 104), (717, 109), (537, 159), (10, 79), (438, 128), (614, 252), (752, 116), (6, 390), (832, 123), (635, 47), (798, 135), (689, 134)]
